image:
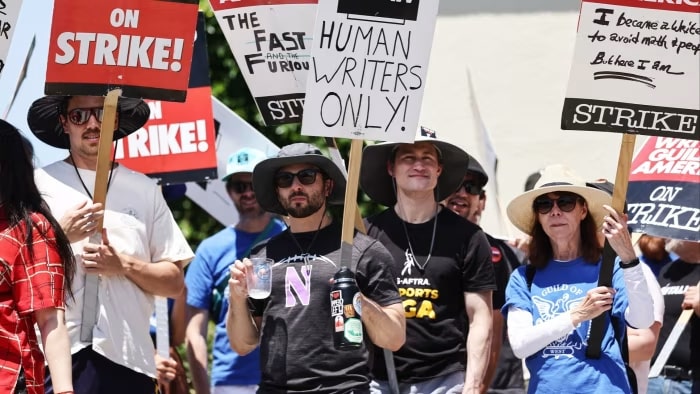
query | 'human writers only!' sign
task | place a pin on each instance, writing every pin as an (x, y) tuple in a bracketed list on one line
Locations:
[(143, 47), (636, 68), (369, 63)]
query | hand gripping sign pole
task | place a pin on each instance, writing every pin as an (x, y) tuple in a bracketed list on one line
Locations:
[(624, 163), (92, 281)]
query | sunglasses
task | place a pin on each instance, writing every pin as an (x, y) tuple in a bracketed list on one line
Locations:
[(471, 188), (566, 203), (239, 187), (306, 177), (80, 116)]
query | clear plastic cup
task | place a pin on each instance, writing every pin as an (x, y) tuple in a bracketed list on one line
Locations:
[(259, 277)]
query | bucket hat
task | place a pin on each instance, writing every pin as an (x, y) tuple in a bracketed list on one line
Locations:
[(43, 119), (243, 160), (556, 178), (298, 153), (379, 185)]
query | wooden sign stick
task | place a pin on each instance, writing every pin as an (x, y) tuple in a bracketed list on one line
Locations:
[(350, 207), (338, 159), (104, 154), (624, 163)]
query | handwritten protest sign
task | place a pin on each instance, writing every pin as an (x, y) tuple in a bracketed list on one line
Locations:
[(143, 47), (635, 68), (9, 11), (270, 40), (368, 68), (177, 145), (664, 189)]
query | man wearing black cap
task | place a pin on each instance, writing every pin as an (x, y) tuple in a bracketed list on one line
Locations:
[(294, 326), (140, 256), (505, 371), (442, 264)]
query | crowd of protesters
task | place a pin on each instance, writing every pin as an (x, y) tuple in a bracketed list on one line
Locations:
[(445, 307)]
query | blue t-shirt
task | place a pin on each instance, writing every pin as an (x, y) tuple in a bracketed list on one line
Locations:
[(211, 264), (562, 366)]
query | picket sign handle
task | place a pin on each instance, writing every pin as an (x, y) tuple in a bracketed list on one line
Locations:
[(624, 163), (671, 342), (350, 207), (104, 150), (338, 159)]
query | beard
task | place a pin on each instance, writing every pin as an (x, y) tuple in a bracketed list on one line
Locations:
[(301, 210)]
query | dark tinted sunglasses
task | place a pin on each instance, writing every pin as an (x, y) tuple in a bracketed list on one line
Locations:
[(239, 187), (566, 203), (471, 188), (79, 116), (285, 179)]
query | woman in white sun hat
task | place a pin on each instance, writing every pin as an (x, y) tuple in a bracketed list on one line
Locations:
[(550, 303)]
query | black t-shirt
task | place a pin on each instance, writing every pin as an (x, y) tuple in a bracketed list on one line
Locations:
[(509, 369), (297, 354), (675, 279), (433, 292)]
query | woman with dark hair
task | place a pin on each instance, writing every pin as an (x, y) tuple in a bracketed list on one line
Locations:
[(36, 265), (550, 303)]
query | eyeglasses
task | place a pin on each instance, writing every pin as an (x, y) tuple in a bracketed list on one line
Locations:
[(471, 188), (306, 177), (80, 116), (239, 187), (566, 203)]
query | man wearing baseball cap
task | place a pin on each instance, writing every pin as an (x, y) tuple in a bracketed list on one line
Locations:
[(207, 282)]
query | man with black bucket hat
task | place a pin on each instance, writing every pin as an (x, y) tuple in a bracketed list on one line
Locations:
[(442, 264), (294, 326), (141, 254)]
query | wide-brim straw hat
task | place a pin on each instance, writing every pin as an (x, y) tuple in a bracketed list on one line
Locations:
[(43, 119), (556, 178), (299, 153), (379, 185)]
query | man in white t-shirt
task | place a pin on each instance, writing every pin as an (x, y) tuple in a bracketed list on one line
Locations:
[(141, 253)]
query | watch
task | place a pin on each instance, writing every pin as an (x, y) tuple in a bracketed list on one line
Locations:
[(631, 264)]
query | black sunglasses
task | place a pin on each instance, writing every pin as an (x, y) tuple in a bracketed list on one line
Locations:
[(285, 179), (239, 186), (566, 203), (471, 188), (80, 116)]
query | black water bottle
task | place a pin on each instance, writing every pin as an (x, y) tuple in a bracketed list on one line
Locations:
[(345, 310)]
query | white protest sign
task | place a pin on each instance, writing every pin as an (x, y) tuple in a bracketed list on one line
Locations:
[(636, 68), (270, 41), (9, 11), (233, 133), (369, 62)]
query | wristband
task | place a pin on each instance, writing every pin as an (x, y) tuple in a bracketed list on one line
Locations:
[(630, 264)]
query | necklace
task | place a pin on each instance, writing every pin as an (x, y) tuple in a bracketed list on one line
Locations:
[(305, 253), (411, 259), (109, 180)]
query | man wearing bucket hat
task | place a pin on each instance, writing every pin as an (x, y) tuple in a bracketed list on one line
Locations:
[(442, 264), (551, 302), (294, 326), (141, 255), (505, 371), (207, 281)]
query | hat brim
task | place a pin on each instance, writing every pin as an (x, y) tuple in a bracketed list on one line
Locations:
[(522, 215), (44, 122), (264, 183), (379, 185)]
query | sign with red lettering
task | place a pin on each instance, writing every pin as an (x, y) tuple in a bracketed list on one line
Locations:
[(270, 40), (143, 47), (369, 63), (635, 69), (177, 144), (664, 189)]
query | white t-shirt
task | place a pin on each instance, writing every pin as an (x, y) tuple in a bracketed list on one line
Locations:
[(641, 368), (139, 224)]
